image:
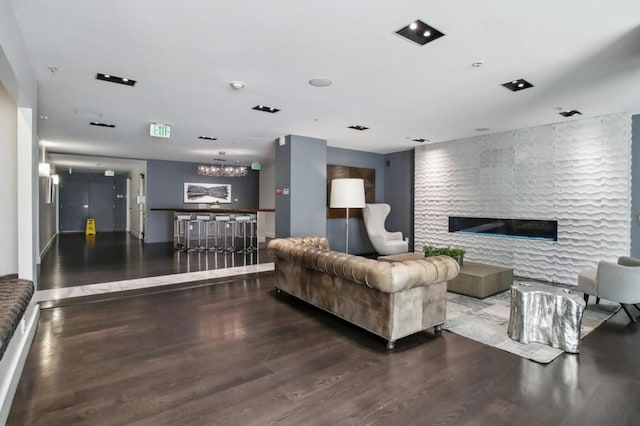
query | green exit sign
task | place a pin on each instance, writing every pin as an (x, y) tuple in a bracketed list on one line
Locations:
[(159, 130)]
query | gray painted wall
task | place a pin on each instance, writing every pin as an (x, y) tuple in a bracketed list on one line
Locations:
[(301, 166), (358, 240), (283, 180), (165, 189), (398, 192), (308, 186), (635, 185)]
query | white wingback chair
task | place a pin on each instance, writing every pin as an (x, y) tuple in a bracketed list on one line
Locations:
[(618, 282), (384, 242)]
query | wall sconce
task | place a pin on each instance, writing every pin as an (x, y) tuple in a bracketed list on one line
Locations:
[(44, 169)]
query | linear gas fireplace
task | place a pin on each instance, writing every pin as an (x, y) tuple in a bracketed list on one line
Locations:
[(546, 230)]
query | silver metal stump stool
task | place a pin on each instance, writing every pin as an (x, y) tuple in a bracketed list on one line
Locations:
[(546, 314)]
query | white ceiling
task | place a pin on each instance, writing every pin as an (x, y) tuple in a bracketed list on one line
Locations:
[(579, 54)]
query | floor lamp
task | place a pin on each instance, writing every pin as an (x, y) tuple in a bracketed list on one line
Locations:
[(346, 194)]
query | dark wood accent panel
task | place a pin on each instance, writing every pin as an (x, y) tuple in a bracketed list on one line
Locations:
[(234, 354), (341, 172)]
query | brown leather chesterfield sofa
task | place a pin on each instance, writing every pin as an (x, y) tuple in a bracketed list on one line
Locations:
[(392, 300)]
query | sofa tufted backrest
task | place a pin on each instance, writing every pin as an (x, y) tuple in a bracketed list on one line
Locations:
[(388, 277)]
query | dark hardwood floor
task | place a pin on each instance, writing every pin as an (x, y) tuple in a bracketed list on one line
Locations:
[(75, 259), (235, 354)]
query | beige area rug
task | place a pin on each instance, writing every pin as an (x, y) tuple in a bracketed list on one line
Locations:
[(486, 321)]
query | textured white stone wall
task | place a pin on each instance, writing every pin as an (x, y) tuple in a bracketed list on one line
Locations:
[(578, 173)]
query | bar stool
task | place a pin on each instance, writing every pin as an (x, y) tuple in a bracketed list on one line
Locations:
[(182, 221), (253, 238), (224, 221), (243, 221), (203, 219)]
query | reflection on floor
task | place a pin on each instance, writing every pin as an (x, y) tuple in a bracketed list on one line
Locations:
[(111, 257), (139, 283)]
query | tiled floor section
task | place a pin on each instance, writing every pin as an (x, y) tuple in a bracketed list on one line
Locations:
[(115, 286)]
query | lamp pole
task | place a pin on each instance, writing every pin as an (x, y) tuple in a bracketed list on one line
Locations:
[(346, 249)]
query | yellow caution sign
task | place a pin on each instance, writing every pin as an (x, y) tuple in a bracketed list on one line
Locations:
[(91, 227)]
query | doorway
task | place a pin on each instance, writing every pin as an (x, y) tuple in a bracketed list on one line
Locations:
[(92, 195)]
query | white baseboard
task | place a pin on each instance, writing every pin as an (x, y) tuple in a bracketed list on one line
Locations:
[(14, 358), (135, 234), (47, 246)]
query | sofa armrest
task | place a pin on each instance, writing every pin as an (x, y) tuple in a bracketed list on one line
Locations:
[(628, 261)]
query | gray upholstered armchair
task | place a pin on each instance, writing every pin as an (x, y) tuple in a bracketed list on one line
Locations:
[(618, 282), (383, 241)]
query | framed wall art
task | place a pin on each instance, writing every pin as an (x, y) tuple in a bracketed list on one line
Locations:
[(207, 193)]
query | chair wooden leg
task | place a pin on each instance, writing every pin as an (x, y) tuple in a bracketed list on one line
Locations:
[(626, 310)]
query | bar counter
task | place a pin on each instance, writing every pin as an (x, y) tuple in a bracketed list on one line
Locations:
[(227, 227), (209, 210)]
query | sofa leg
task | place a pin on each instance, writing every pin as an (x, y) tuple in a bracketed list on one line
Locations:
[(626, 310), (586, 299), (391, 344), (437, 329), (597, 300)]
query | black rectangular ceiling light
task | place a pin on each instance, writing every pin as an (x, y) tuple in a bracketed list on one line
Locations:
[(420, 140), (207, 138), (115, 79), (519, 84), (419, 32), (264, 108), (95, 123), (358, 127), (570, 113)]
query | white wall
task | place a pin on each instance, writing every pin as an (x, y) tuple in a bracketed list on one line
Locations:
[(578, 173), (48, 214), (8, 184), (18, 79)]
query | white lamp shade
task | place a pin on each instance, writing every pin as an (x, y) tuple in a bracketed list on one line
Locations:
[(347, 193)]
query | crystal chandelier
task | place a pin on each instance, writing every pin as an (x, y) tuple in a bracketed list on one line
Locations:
[(222, 171)]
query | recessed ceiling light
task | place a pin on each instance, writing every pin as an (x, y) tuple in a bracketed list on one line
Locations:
[(96, 123), (320, 82), (208, 138), (264, 108), (237, 85), (482, 129), (419, 32), (44, 117), (515, 85), (358, 127), (570, 113), (421, 140), (477, 64), (115, 79)]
